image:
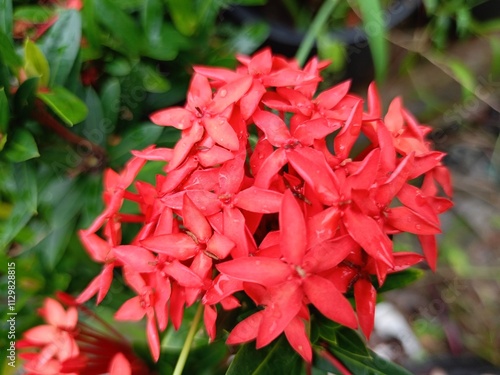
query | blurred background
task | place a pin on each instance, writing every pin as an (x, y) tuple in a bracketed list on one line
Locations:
[(78, 80)]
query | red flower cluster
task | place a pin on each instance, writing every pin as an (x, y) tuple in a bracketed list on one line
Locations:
[(67, 346), (293, 215)]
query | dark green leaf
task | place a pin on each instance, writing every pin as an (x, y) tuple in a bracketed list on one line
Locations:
[(327, 329), (372, 365), (25, 96), (33, 13), (127, 36), (374, 26), (118, 67), (7, 53), (137, 138), (53, 246), (184, 16), (24, 201), (6, 17), (35, 63), (275, 358), (4, 113), (68, 107), (21, 146), (61, 45), (94, 128), (152, 19), (110, 99), (91, 31), (401, 279), (167, 46), (350, 341)]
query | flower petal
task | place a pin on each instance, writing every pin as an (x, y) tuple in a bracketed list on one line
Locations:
[(365, 296), (293, 235), (131, 310), (260, 270), (177, 117), (255, 199)]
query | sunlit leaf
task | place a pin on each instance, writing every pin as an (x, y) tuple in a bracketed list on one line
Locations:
[(66, 105), (35, 63)]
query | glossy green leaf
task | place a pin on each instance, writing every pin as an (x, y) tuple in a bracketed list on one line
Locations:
[(275, 358), (110, 99), (25, 96), (25, 203), (401, 279), (350, 341), (371, 365), (6, 17), (152, 14), (33, 13), (137, 138), (35, 63), (4, 113), (7, 53), (184, 16), (21, 146), (126, 35), (61, 44), (374, 26), (68, 107), (327, 329)]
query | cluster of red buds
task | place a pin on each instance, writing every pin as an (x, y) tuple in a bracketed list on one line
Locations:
[(289, 197)]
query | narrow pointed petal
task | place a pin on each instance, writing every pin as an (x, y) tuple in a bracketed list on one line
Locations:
[(215, 73), (322, 226), (209, 318), (229, 93), (246, 330), (366, 232), (177, 245), (270, 168), (442, 176), (261, 62), (328, 254), (405, 259), (235, 230), (426, 162), (182, 274), (131, 310), (312, 167), (214, 156), (41, 335), (54, 313), (105, 282), (374, 107), (185, 144), (137, 257), (297, 337), (260, 270), (391, 187), (220, 246), (285, 304), (153, 338), (429, 247), (406, 220), (250, 101), (394, 118), (97, 248), (222, 287), (366, 298), (293, 235), (349, 134), (221, 132), (273, 127), (231, 174), (199, 93), (156, 154), (329, 301), (195, 221), (255, 199), (331, 97), (177, 117)]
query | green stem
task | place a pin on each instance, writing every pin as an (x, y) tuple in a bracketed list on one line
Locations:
[(179, 367), (312, 33)]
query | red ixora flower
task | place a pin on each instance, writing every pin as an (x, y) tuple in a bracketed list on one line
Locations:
[(267, 192), (66, 345)]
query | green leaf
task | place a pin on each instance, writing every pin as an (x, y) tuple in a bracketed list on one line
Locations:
[(184, 16), (33, 13), (94, 128), (330, 48), (371, 365), (25, 96), (53, 246), (248, 38), (401, 279), (152, 19), (25, 203), (7, 53), (21, 146), (35, 63), (495, 57), (275, 358), (374, 26), (152, 80), (137, 138), (350, 341), (165, 48), (6, 17), (127, 37), (68, 107), (4, 113), (110, 99), (61, 45), (464, 76)]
